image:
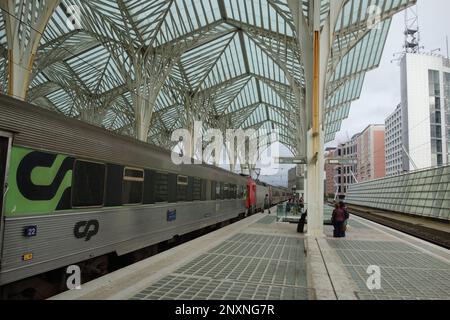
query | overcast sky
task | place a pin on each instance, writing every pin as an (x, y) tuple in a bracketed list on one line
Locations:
[(381, 91)]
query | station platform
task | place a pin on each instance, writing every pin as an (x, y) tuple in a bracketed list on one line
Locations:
[(259, 258)]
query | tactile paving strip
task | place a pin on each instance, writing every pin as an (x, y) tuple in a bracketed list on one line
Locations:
[(197, 288), (362, 245), (356, 224), (267, 220), (404, 283), (255, 270), (406, 273), (266, 239), (246, 266), (256, 250)]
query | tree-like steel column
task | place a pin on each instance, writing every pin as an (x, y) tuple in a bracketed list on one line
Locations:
[(314, 190), (25, 23), (315, 40)]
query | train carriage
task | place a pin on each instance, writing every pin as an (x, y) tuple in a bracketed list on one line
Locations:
[(74, 191)]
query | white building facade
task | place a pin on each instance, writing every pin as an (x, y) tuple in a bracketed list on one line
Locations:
[(393, 143), (425, 86)]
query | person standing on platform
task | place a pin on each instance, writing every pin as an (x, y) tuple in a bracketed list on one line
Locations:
[(266, 203), (337, 219), (344, 208), (301, 204)]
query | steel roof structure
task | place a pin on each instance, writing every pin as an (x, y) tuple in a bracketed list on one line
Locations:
[(146, 67)]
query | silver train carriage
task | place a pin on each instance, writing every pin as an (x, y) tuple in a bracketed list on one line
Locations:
[(73, 191)]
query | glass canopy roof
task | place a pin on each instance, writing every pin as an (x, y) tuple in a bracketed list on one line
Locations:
[(229, 63)]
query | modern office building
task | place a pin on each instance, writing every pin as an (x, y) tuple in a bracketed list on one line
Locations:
[(340, 176), (393, 143), (370, 153), (425, 86), (347, 171)]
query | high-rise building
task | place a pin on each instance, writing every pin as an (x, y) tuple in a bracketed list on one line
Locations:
[(345, 173), (340, 168), (425, 90), (371, 156), (359, 159), (393, 143), (330, 171)]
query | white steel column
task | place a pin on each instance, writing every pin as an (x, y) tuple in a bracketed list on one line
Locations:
[(150, 72), (24, 29), (316, 41), (322, 46), (315, 134)]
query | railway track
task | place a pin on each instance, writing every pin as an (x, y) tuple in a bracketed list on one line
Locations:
[(438, 237)]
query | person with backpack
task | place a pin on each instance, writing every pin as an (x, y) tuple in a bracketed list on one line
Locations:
[(346, 215), (337, 219)]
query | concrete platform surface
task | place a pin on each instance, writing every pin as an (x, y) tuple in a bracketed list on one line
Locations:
[(259, 258)]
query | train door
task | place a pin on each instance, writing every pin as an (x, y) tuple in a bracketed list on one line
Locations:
[(5, 147)]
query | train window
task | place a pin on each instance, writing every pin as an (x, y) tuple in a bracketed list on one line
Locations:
[(161, 187), (132, 186), (233, 191), (213, 190), (88, 184), (204, 190), (182, 180), (241, 192), (196, 189), (226, 191), (218, 189), (182, 186)]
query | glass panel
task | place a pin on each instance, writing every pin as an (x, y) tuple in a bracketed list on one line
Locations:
[(196, 189), (88, 184), (161, 187), (132, 186), (182, 187)]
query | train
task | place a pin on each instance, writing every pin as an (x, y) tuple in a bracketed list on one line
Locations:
[(74, 191)]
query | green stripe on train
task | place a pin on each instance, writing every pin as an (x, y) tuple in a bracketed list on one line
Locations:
[(36, 182)]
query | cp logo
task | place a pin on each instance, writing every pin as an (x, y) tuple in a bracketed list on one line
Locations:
[(86, 229)]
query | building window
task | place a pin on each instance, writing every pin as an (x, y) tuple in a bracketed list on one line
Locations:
[(88, 184), (435, 116), (447, 109), (439, 159)]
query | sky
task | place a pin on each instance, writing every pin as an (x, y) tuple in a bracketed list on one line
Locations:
[(381, 91)]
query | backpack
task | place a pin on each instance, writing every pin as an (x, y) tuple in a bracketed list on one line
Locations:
[(339, 215)]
